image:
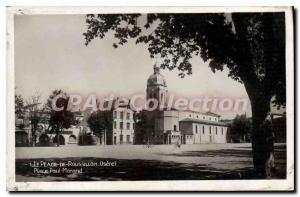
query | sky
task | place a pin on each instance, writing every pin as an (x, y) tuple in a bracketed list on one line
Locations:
[(50, 54)]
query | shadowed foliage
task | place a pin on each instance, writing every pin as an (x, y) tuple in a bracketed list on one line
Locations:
[(59, 119)]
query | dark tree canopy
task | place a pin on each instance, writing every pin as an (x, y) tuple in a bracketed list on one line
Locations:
[(240, 128), (62, 119), (250, 45), (99, 121)]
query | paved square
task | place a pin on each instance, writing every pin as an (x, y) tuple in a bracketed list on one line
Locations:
[(138, 162)]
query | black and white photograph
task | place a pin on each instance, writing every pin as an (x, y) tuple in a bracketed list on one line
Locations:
[(150, 99)]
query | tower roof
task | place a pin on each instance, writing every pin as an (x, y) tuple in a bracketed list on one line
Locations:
[(156, 78)]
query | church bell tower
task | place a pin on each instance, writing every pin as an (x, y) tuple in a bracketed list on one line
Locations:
[(157, 87)]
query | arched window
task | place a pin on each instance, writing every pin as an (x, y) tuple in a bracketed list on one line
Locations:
[(72, 139), (175, 128), (44, 140), (60, 140)]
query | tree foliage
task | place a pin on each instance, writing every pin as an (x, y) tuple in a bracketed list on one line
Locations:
[(19, 106), (99, 121), (144, 128), (35, 115), (250, 45), (240, 129), (62, 119)]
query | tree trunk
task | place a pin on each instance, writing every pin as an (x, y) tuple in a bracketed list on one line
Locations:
[(33, 134), (33, 138), (100, 138), (57, 138), (262, 138)]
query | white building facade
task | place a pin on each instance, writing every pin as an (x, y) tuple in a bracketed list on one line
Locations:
[(123, 126), (185, 127)]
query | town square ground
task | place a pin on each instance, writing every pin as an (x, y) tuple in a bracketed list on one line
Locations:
[(142, 162)]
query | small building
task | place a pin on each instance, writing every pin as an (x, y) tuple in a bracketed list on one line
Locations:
[(204, 131)]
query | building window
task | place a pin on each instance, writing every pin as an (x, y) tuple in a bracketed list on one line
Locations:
[(72, 138), (175, 128), (222, 130), (128, 138), (128, 116), (121, 139), (121, 115), (115, 114), (121, 125), (115, 124), (215, 118), (128, 126), (203, 117), (196, 129), (210, 130), (203, 129), (190, 115), (209, 118), (216, 130)]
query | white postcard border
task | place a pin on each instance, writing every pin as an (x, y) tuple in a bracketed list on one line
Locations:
[(199, 185)]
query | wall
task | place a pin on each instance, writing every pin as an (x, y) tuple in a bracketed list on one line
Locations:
[(220, 137), (189, 139), (200, 137), (187, 128), (170, 119), (197, 116)]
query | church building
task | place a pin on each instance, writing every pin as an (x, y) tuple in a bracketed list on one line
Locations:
[(170, 126)]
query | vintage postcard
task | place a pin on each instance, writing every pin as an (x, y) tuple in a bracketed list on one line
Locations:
[(150, 99)]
